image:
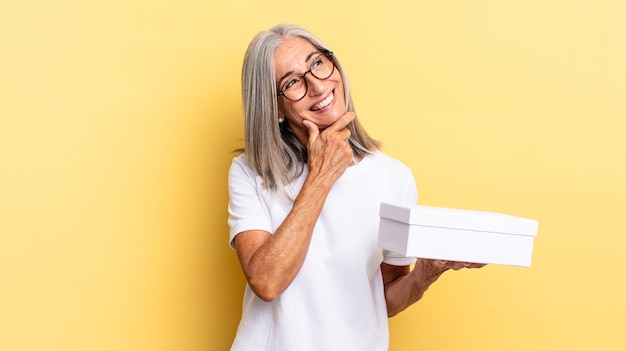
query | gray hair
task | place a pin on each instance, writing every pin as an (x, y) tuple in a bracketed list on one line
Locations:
[(272, 148)]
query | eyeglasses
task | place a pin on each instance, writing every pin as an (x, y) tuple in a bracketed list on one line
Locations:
[(296, 86)]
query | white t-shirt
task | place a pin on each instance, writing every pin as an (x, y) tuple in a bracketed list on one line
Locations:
[(336, 302)]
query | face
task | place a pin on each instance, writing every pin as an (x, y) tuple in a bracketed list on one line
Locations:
[(324, 101)]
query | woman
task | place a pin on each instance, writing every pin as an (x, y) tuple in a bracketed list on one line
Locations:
[(304, 201)]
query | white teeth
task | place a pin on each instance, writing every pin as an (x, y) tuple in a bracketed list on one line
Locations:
[(324, 103)]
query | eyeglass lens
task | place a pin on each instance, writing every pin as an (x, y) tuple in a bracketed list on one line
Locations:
[(295, 88)]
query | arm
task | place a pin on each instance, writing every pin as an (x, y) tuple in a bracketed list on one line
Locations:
[(404, 287), (271, 262)]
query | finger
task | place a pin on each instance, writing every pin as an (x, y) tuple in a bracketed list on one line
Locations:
[(312, 128), (476, 265), (342, 122), (438, 263), (473, 265), (344, 134), (455, 265)]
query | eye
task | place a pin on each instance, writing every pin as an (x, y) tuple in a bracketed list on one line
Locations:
[(318, 62), (291, 83)]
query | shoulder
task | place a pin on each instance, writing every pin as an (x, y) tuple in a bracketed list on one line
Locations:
[(241, 171), (241, 164), (392, 170), (381, 159), (398, 179), (241, 159)]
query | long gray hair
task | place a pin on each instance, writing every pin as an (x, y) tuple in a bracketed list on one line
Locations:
[(271, 147)]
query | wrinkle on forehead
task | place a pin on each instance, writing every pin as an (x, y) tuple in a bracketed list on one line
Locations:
[(292, 56)]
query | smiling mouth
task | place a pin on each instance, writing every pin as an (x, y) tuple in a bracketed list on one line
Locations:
[(324, 102)]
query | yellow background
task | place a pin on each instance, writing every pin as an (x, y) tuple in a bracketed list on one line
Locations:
[(118, 118)]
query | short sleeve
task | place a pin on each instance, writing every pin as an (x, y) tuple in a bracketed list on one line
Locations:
[(246, 210), (395, 259)]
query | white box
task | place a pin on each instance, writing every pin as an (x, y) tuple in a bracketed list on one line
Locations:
[(457, 235)]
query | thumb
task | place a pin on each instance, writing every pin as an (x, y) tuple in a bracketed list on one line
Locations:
[(314, 131)]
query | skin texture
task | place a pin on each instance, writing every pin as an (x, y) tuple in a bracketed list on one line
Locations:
[(290, 57), (404, 287), (271, 262)]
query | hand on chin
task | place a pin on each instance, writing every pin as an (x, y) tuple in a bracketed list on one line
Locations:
[(327, 122)]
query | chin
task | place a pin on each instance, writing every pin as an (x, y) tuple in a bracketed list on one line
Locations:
[(329, 121)]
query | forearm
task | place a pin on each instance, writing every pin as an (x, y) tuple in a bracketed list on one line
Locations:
[(271, 261), (404, 290), (275, 263)]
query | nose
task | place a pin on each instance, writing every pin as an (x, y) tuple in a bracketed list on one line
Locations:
[(315, 85)]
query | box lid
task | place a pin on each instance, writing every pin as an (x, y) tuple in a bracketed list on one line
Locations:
[(459, 219)]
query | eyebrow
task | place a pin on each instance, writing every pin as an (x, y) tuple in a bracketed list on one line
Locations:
[(308, 57)]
